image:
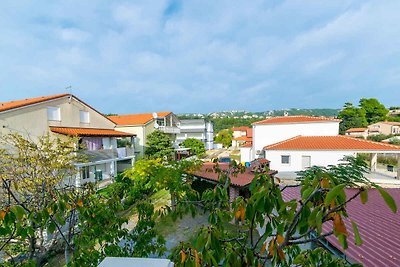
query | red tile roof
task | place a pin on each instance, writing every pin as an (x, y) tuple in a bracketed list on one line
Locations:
[(135, 119), (295, 119), (241, 128), (242, 179), (72, 131), (379, 228), (337, 142), (29, 101), (355, 130), (243, 138)]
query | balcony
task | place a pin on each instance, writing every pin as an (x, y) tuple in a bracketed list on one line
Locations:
[(169, 129), (108, 154)]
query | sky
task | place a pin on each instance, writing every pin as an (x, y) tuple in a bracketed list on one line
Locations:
[(200, 55)]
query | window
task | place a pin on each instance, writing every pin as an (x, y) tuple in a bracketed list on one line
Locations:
[(285, 159), (160, 122), (84, 115), (85, 173), (53, 114)]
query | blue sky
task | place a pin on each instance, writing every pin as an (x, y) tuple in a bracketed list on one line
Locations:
[(201, 56)]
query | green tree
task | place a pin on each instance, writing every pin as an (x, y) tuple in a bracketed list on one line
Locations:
[(224, 137), (285, 224), (374, 110), (42, 211), (351, 117), (196, 146), (159, 145)]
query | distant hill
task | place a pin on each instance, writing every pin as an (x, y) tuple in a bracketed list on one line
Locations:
[(234, 118)]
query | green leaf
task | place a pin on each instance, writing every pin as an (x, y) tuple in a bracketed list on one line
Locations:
[(364, 196), (333, 193), (343, 241), (52, 227), (388, 199), (357, 237), (18, 211), (307, 192)]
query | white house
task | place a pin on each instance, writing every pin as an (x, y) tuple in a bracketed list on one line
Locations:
[(199, 129), (300, 152), (277, 129)]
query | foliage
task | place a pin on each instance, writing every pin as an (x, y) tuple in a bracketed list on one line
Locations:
[(42, 211), (378, 137), (159, 145), (351, 117), (229, 123), (284, 225), (123, 142), (224, 137), (196, 146), (374, 110)]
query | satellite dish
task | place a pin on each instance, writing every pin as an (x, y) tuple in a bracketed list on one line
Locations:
[(156, 125), (155, 116)]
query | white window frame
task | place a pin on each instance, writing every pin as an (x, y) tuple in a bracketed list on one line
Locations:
[(53, 114), (84, 116), (285, 163)]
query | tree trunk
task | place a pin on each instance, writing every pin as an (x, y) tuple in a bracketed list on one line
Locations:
[(173, 200)]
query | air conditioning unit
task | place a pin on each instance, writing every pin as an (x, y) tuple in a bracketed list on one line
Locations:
[(258, 152)]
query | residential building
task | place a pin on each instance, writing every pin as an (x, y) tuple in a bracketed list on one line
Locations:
[(277, 129), (199, 129), (301, 152), (66, 115), (357, 132), (384, 127), (141, 125), (242, 135)]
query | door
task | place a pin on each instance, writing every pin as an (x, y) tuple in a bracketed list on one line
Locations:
[(305, 162)]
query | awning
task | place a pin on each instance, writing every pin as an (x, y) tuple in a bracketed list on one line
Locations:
[(81, 132)]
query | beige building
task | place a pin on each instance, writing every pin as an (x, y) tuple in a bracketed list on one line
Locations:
[(143, 124), (384, 127), (357, 132), (66, 115)]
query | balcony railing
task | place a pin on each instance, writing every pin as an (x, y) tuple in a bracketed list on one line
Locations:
[(169, 129), (107, 154)]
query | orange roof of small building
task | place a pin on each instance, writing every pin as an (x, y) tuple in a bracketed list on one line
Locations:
[(134, 119), (73, 131), (241, 128), (29, 101), (355, 130), (337, 142), (295, 119)]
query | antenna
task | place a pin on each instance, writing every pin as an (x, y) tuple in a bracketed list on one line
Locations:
[(69, 88)]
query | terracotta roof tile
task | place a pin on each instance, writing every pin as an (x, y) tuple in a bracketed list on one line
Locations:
[(243, 138), (72, 131), (378, 226), (337, 142), (241, 128), (355, 130), (247, 144), (29, 101), (135, 119), (295, 119)]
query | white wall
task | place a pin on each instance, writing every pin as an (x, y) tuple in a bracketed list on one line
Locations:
[(245, 154), (318, 158), (268, 134)]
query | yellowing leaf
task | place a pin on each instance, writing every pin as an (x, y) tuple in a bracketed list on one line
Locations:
[(242, 213), (3, 214), (183, 256), (80, 203), (280, 239), (196, 258), (271, 247), (49, 210), (264, 246), (338, 225), (281, 254), (324, 183)]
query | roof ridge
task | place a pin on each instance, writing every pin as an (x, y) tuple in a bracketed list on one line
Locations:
[(283, 141), (369, 141), (9, 105)]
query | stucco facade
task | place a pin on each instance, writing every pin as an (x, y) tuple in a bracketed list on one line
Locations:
[(267, 134)]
